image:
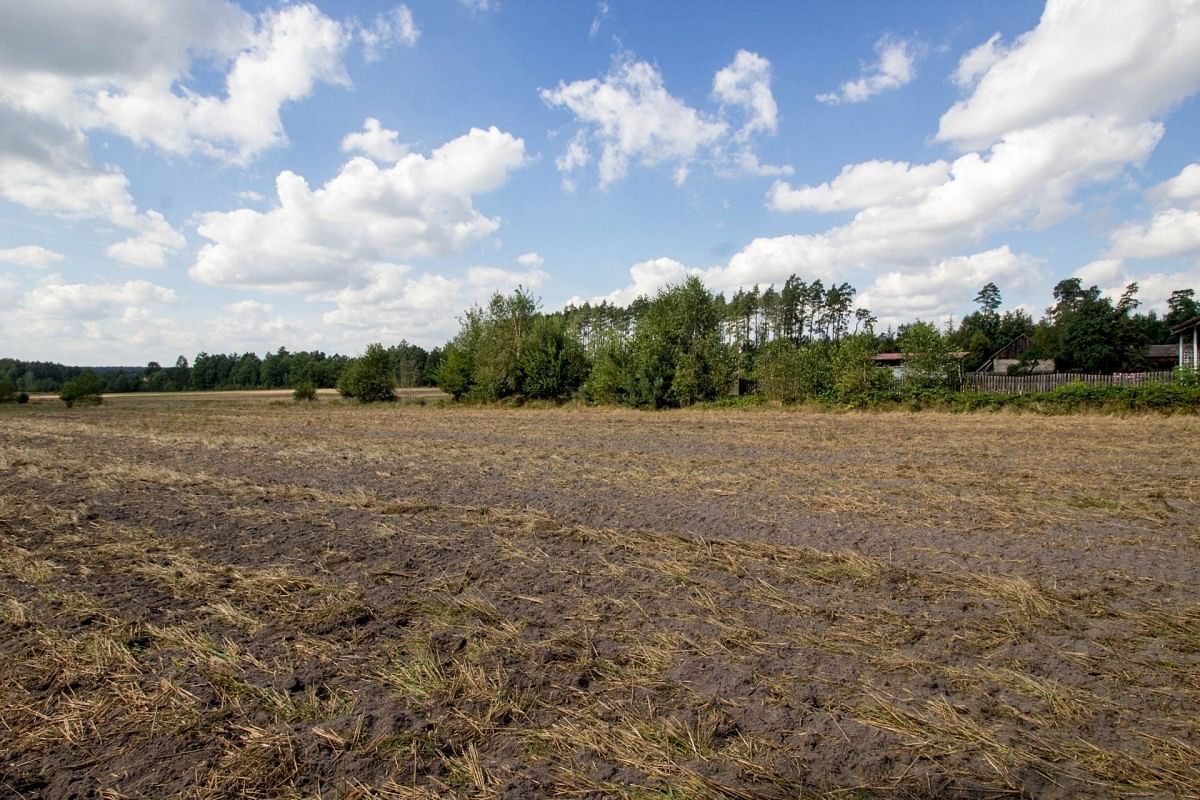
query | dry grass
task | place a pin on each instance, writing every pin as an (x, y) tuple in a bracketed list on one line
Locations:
[(231, 599)]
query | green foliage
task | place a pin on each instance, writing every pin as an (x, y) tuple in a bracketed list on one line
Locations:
[(1080, 397), (777, 371), (610, 367), (553, 364), (504, 335), (677, 356), (22, 398), (304, 390), (1187, 377), (369, 378), (928, 362), (1144, 397), (8, 391), (1181, 307), (409, 364), (857, 379), (736, 401), (509, 350), (790, 374), (84, 389), (454, 373), (989, 298)]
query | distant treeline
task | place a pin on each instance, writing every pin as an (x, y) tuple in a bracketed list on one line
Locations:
[(688, 344), (410, 366)]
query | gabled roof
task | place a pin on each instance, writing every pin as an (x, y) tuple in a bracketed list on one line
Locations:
[(1186, 326)]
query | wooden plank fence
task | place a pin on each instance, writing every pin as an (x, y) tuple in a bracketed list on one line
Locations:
[(1027, 384)]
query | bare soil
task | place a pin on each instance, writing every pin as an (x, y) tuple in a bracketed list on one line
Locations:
[(207, 599)]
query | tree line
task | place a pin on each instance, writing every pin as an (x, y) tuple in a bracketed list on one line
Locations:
[(805, 341), (685, 345), (408, 364)]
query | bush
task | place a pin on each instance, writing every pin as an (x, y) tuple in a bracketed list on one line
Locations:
[(1080, 396), (777, 370), (22, 398), (369, 378), (304, 390), (7, 390), (857, 380), (607, 383), (552, 365), (928, 363), (454, 373), (676, 356), (792, 374), (86, 389)]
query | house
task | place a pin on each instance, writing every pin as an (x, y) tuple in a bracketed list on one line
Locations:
[(1187, 343), (1010, 356), (1162, 356), (895, 361)]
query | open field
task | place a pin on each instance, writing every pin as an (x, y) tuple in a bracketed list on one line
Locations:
[(244, 599)]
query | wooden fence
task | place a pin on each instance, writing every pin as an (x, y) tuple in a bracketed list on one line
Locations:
[(1026, 384)]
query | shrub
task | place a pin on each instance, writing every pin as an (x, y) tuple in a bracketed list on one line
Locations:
[(84, 389), (1081, 396), (607, 383), (7, 390), (777, 371), (857, 379), (304, 390), (22, 398), (928, 363), (677, 356), (552, 365), (454, 374), (369, 378), (792, 374)]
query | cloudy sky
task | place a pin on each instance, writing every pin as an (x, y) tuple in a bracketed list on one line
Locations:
[(185, 175)]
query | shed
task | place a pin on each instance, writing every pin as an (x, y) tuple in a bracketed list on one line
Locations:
[(1162, 356)]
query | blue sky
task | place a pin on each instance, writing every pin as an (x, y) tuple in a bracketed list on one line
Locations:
[(186, 176)]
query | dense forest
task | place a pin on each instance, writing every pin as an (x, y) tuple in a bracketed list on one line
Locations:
[(685, 345)]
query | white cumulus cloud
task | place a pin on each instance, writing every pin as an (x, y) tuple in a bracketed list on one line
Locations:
[(375, 141), (870, 183), (747, 83), (1123, 59), (895, 67), (91, 301), (933, 293), (977, 61), (1182, 190), (645, 279), (30, 255), (364, 216), (1173, 232), (393, 303), (632, 119)]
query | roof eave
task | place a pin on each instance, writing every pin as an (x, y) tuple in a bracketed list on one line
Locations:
[(1183, 326)]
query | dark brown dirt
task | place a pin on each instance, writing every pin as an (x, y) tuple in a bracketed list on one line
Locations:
[(237, 599)]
